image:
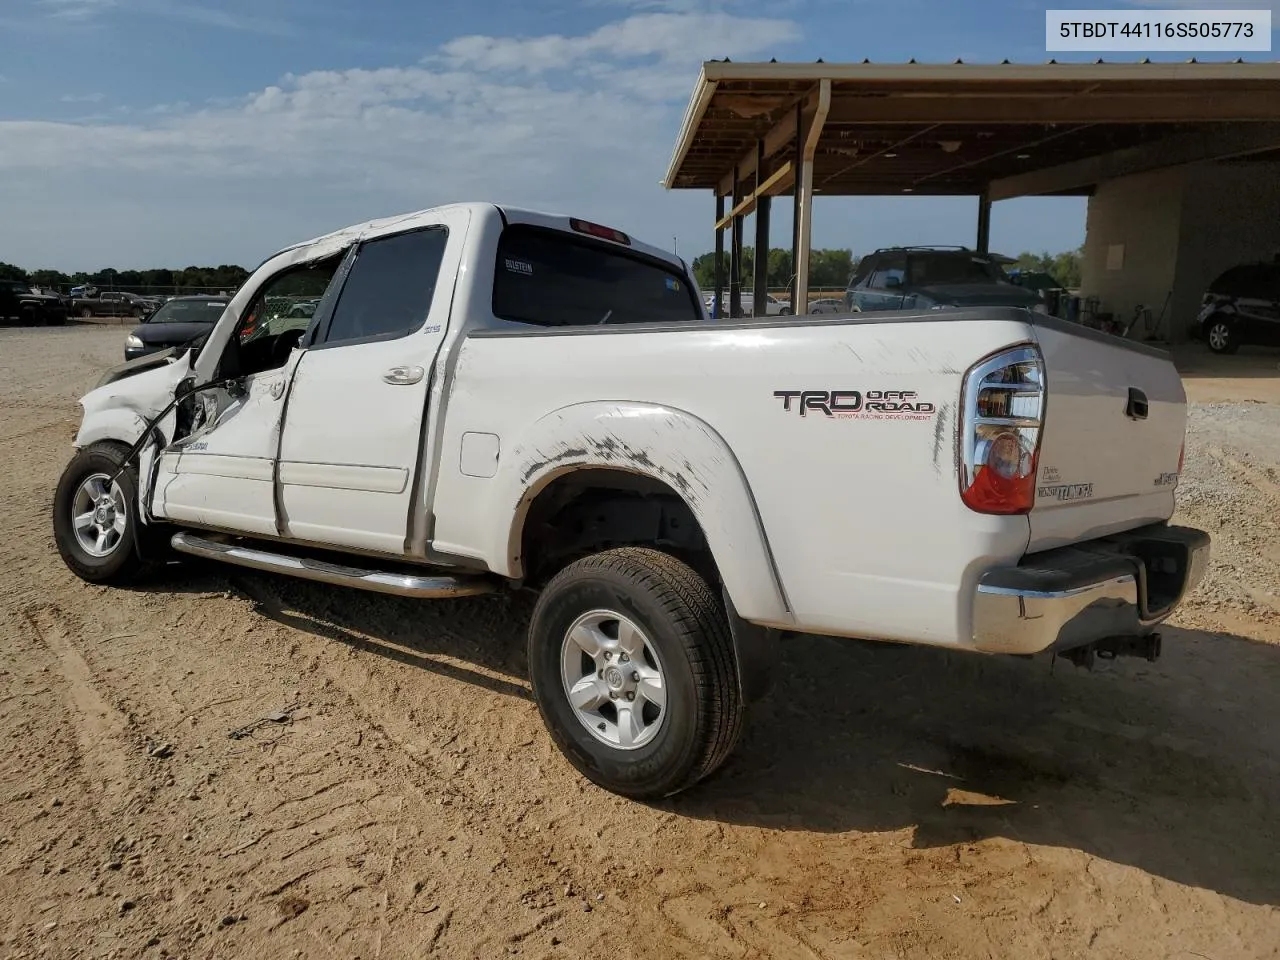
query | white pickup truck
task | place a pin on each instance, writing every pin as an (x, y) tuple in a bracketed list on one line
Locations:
[(487, 398)]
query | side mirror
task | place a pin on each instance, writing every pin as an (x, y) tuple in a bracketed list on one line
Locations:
[(893, 283)]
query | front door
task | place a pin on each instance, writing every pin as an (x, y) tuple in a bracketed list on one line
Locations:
[(355, 414), (221, 474)]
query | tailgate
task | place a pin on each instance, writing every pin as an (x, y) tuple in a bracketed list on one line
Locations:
[(1114, 422)]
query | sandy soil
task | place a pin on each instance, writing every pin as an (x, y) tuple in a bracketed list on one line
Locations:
[(884, 803)]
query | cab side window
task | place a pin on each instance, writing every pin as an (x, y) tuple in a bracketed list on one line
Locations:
[(389, 290)]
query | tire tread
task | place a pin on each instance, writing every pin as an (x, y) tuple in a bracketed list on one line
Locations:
[(698, 616)]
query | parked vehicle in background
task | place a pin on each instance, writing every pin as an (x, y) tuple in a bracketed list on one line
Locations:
[(20, 302), (1241, 306), (178, 322), (491, 398), (930, 278), (304, 308), (827, 305), (773, 306), (110, 303)]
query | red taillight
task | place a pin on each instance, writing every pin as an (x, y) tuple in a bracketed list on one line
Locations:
[(596, 230), (1182, 453), (1000, 428)]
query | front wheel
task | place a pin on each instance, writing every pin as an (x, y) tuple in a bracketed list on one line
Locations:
[(86, 314), (1220, 334), (634, 672), (95, 516)]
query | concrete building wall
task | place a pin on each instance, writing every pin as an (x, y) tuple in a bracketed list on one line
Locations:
[(1132, 240), (1230, 215), (1170, 232)]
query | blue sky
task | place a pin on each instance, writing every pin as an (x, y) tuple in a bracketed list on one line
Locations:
[(137, 133)]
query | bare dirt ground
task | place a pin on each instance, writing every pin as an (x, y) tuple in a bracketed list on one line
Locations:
[(884, 803)]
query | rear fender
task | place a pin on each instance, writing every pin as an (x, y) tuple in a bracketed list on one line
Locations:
[(667, 445)]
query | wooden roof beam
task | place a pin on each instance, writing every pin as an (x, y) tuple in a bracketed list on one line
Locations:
[(1096, 108), (779, 181), (1212, 143)]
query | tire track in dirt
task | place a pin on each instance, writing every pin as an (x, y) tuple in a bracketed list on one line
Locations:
[(102, 731)]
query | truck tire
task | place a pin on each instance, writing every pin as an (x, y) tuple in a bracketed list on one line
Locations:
[(86, 314), (634, 672), (95, 527)]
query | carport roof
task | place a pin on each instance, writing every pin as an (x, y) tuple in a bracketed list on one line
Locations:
[(941, 129)]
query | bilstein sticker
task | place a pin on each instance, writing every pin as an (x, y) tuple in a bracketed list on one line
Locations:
[(518, 266), (857, 404), (1064, 492)]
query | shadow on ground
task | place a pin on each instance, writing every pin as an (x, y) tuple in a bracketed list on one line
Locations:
[(1172, 768)]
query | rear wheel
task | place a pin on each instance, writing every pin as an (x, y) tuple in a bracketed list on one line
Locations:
[(95, 516), (1220, 334), (86, 314), (634, 672)]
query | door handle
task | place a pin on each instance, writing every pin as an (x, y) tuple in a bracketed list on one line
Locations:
[(403, 376)]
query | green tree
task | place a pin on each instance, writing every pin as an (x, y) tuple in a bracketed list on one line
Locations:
[(780, 269), (1063, 267), (827, 268), (50, 278), (9, 272), (830, 268)]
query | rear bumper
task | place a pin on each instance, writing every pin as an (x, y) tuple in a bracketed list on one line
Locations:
[(1119, 586)]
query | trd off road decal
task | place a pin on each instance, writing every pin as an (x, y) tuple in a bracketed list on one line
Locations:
[(1166, 480), (856, 404)]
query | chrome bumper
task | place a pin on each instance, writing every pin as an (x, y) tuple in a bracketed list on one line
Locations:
[(1120, 586)]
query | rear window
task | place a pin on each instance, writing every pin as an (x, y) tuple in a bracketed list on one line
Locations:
[(555, 279), (953, 268)]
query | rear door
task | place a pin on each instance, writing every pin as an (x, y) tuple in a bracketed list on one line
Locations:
[(1114, 421), (354, 417)]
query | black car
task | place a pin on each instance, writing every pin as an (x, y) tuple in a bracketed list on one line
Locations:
[(21, 302), (930, 278), (1241, 306), (178, 322)]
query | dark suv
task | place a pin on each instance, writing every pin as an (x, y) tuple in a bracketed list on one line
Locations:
[(1241, 306), (930, 278)]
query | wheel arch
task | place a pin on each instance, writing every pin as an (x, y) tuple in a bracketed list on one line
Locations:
[(655, 450)]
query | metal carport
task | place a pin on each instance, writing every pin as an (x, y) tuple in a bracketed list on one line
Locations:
[(753, 131)]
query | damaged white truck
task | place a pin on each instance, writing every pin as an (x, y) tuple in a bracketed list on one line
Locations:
[(486, 398)]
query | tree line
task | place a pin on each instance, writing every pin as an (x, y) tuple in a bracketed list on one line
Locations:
[(832, 268), (226, 277), (827, 268)]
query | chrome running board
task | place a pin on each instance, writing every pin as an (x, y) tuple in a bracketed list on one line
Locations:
[(379, 581)]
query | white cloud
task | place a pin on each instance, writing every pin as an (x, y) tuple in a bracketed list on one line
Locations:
[(82, 98), (76, 9), (583, 123), (668, 37), (189, 11)]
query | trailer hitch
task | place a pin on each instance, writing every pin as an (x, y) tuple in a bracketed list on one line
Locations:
[(1111, 648)]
